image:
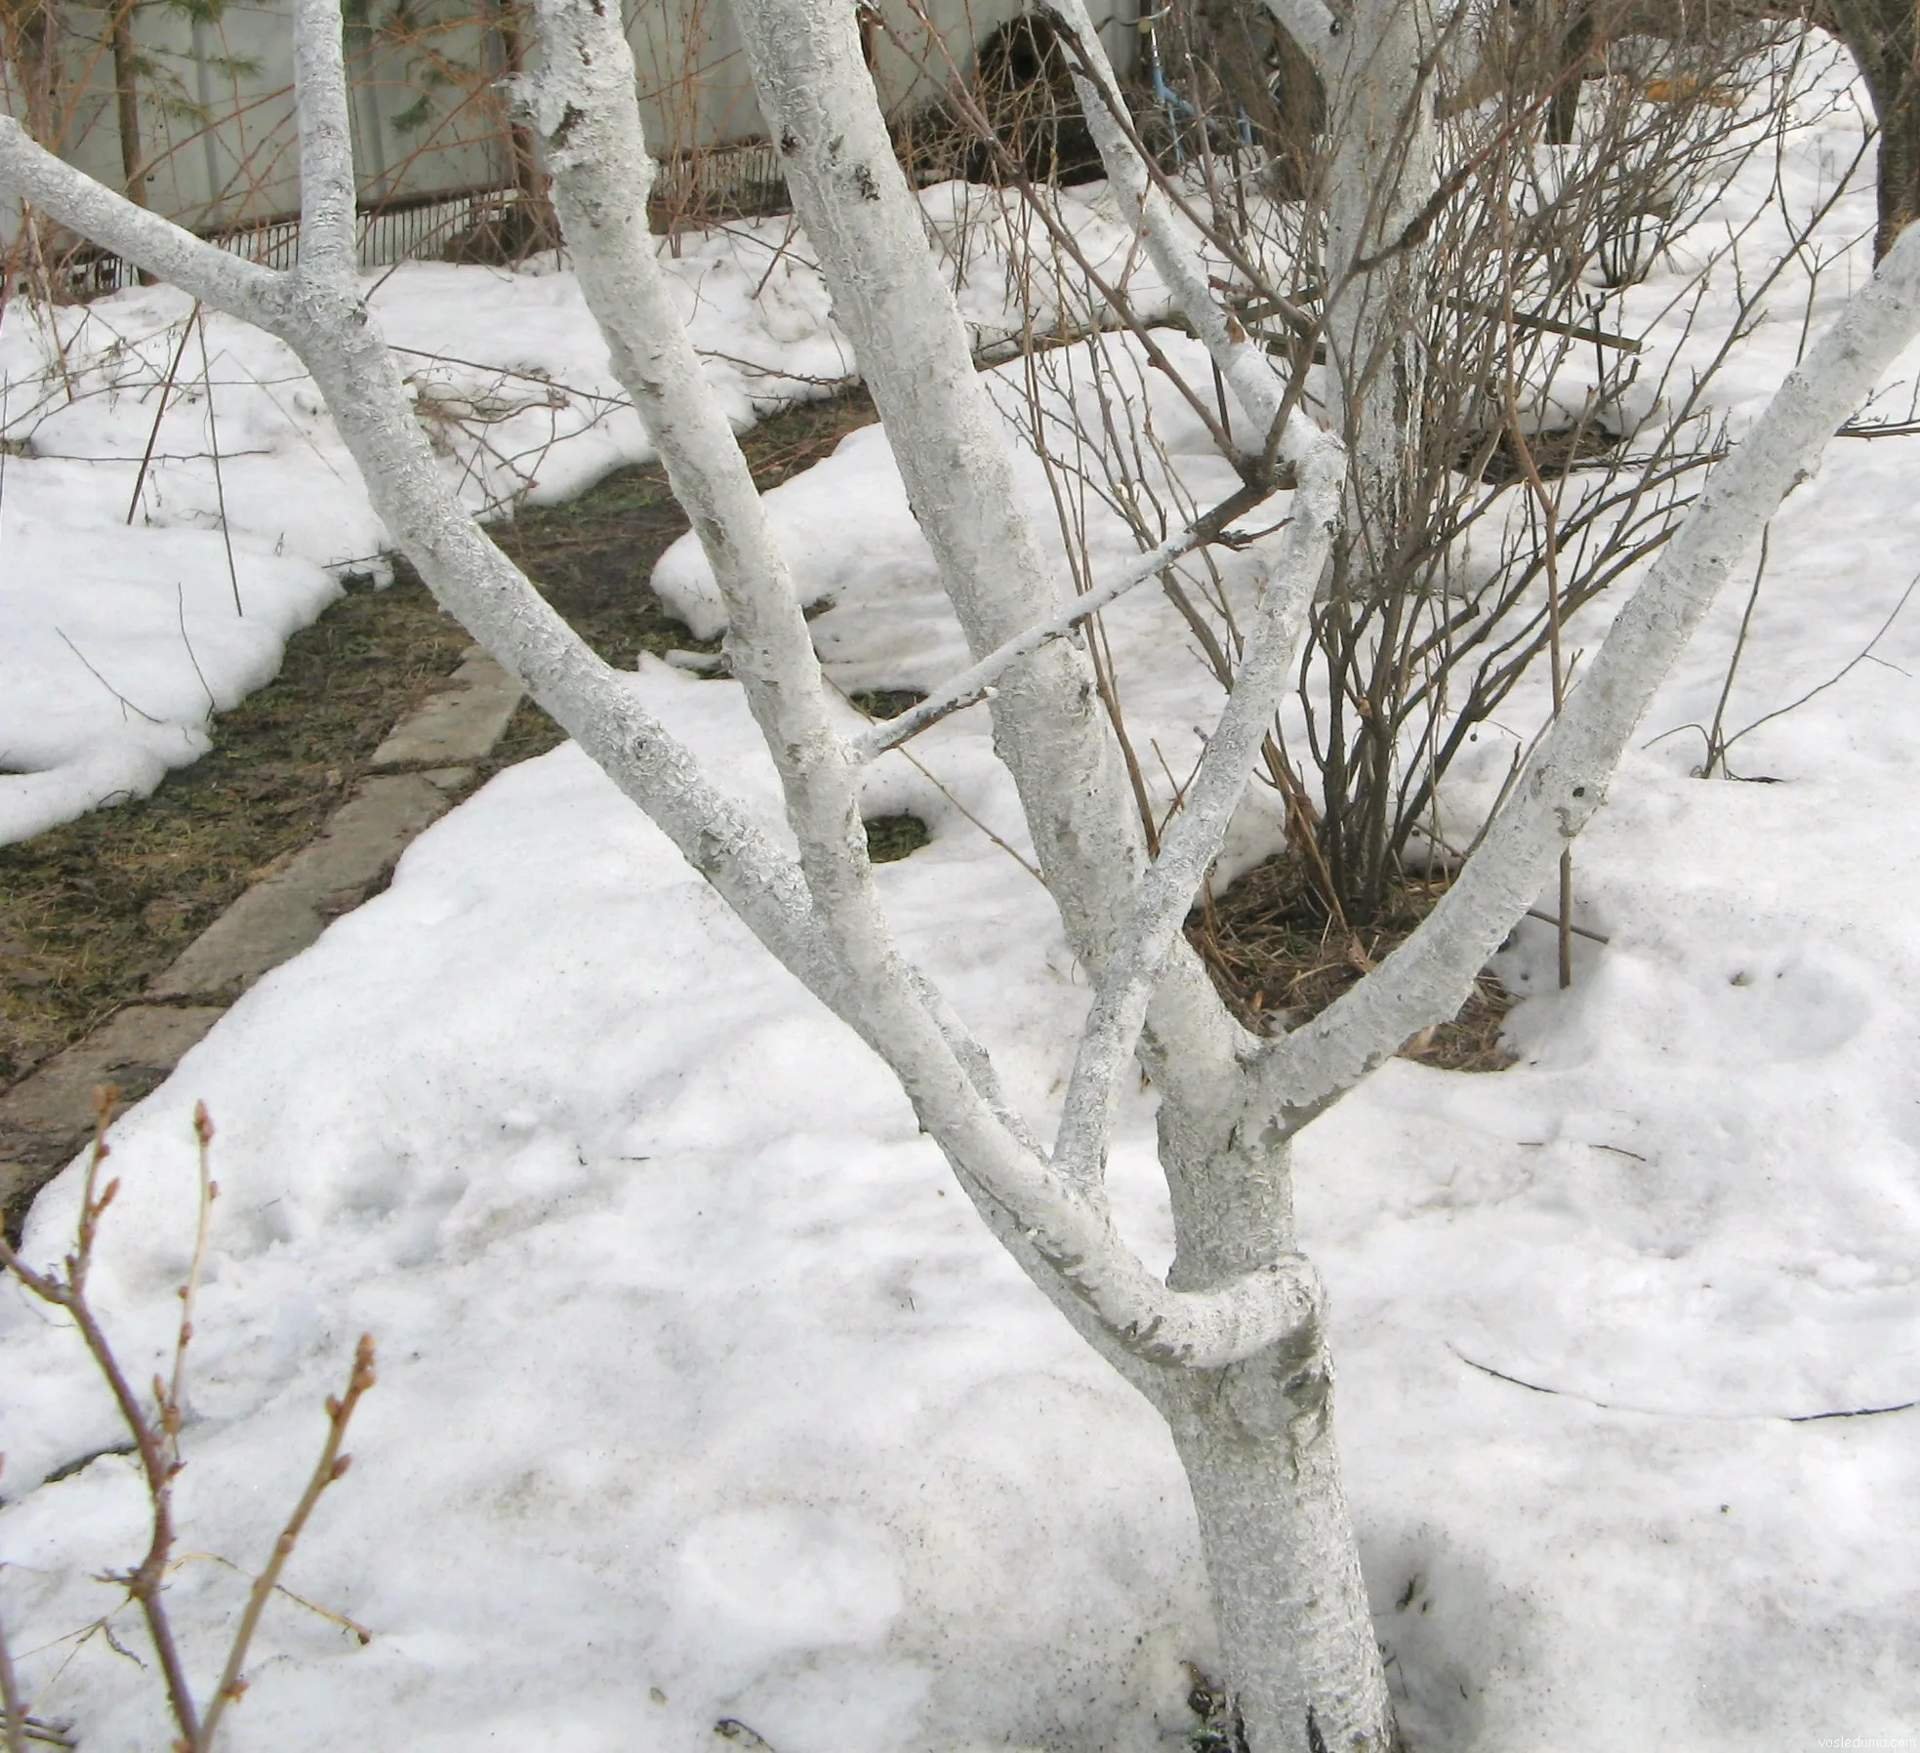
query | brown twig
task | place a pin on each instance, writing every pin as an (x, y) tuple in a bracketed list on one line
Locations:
[(156, 1442), (219, 478), (332, 1465), (70, 1293), (159, 413), (13, 1711), (1550, 545), (172, 1400)]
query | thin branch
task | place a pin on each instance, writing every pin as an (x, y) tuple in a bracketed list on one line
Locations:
[(1426, 979), (331, 1466), (126, 704), (1716, 746), (173, 1399), (13, 1710), (975, 683), (1861, 656), (143, 1583), (1241, 361), (219, 475), (159, 412)]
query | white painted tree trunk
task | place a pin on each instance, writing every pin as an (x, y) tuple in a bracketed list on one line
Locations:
[(1232, 1348), (1290, 1605), (1384, 145), (1262, 1463)]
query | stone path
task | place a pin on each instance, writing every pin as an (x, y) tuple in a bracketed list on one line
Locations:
[(413, 778)]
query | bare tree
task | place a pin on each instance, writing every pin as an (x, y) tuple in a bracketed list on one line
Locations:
[(1231, 1347)]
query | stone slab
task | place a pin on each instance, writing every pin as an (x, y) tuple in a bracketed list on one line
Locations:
[(283, 913), (47, 1117), (460, 724)]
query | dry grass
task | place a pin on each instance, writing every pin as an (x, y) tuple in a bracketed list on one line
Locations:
[(91, 911), (1277, 960), (1553, 454)]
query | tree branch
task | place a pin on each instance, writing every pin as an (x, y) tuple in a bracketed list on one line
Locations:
[(888, 293), (327, 196), (1243, 362), (1428, 977), (974, 684), (1166, 892), (1313, 26), (583, 104), (330, 327), (115, 223)]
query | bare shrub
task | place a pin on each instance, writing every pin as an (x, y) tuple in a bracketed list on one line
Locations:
[(154, 1427)]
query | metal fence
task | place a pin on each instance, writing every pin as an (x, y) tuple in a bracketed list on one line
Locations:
[(492, 224), (440, 169)]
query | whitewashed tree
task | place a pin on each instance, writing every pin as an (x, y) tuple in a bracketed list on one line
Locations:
[(1231, 1347)]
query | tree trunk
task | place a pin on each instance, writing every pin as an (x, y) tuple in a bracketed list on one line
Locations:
[(532, 223), (1257, 1443), (1233, 1351), (1296, 1634), (26, 39), (1883, 36), (1563, 104), (1266, 75), (1899, 182), (126, 95), (1380, 179)]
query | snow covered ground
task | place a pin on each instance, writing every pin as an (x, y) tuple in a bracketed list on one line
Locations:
[(118, 650), (704, 1396)]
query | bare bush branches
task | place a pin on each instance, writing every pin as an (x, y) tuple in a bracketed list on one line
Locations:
[(155, 1431)]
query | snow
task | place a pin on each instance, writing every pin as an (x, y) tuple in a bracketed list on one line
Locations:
[(703, 1394), (110, 671)]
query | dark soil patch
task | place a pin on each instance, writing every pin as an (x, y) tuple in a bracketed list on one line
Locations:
[(1553, 453), (1277, 960), (885, 702), (91, 911), (592, 557), (892, 838)]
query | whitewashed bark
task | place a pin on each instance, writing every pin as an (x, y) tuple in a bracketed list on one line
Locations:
[(583, 104), (1257, 1440), (1246, 367), (1232, 1348), (890, 298), (1164, 895), (975, 682), (1313, 26), (1285, 1573), (1384, 148), (318, 311)]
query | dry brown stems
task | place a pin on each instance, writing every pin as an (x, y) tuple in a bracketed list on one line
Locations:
[(155, 1431)]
